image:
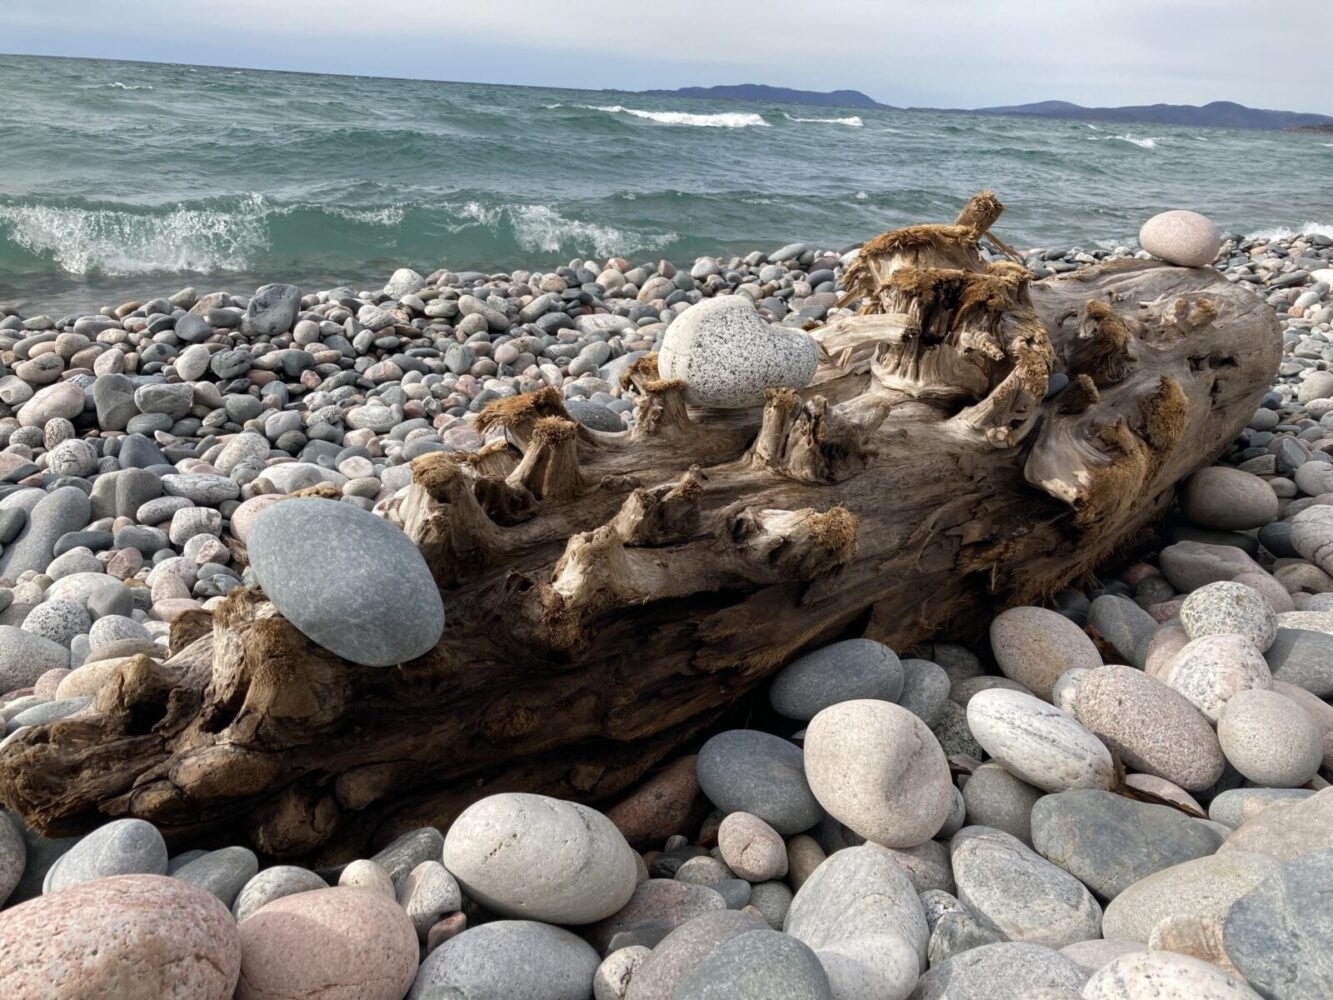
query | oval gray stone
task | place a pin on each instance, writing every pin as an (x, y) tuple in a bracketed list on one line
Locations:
[(684, 949), (1006, 970), (842, 671), (1011, 888), (121, 847), (350, 581), (1110, 842), (1278, 934), (744, 770), (513, 959), (222, 872), (861, 914), (1204, 888), (757, 965), (274, 883)]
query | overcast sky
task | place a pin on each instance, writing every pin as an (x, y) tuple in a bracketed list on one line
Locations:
[(942, 53)]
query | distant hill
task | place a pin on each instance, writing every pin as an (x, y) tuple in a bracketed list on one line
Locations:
[(781, 95), (1219, 114)]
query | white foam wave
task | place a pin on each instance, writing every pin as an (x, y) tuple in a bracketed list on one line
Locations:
[(542, 229), (1200, 138), (388, 216), (1148, 143), (129, 86), (1328, 144), (854, 121), (1092, 126), (115, 242), (1283, 233), (727, 119), (860, 196)]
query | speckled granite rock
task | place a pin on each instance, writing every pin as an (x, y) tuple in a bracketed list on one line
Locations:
[(728, 355)]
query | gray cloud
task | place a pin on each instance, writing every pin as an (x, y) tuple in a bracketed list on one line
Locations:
[(953, 53)]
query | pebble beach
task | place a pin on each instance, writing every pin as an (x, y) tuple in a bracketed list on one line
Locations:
[(148, 450)]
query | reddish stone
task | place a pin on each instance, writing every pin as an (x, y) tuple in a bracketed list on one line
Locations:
[(47, 683), (131, 937), (663, 805), (451, 926), (1167, 610), (327, 944)]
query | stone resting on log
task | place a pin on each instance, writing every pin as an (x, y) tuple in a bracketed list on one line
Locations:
[(609, 596)]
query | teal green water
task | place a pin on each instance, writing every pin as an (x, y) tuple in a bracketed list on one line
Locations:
[(121, 179)]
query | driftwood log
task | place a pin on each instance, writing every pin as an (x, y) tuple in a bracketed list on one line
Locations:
[(608, 597)]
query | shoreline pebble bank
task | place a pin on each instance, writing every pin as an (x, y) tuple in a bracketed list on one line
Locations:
[(140, 443)]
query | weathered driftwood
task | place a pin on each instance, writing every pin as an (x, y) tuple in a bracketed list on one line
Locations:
[(609, 596)]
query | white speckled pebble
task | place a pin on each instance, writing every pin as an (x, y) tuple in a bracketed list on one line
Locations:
[(1037, 742), (729, 355)]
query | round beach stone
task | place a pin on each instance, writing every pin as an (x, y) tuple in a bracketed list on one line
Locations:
[(925, 690), (24, 657), (1181, 237), (274, 883), (843, 671), (1204, 888), (1228, 499), (1153, 728), (121, 847), (1304, 658), (1110, 842), (13, 856), (1006, 970), (131, 937), (745, 770), (657, 907), (862, 916), (427, 894), (1014, 890), (532, 856), (682, 951), (1285, 831), (58, 621), (757, 965), (1278, 934), (1034, 646), (1270, 739), (1211, 670), (1037, 742), (1164, 975), (350, 581), (327, 944), (1229, 608), (508, 960), (61, 511), (993, 797), (751, 848), (223, 872), (366, 874), (728, 355), (612, 979), (878, 769)]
